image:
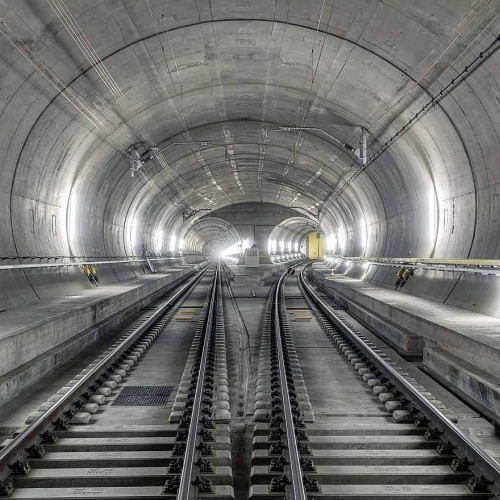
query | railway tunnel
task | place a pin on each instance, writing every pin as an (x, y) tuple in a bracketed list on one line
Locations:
[(249, 249)]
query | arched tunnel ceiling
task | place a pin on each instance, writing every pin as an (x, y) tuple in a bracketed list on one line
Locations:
[(213, 234), (215, 80)]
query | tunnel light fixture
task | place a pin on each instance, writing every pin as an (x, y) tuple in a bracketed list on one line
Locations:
[(331, 243), (133, 233), (272, 246), (173, 241), (363, 235), (341, 240), (158, 240), (181, 243), (433, 216), (72, 217), (282, 246)]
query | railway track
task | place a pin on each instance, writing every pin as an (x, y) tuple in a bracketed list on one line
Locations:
[(59, 455), (335, 417), (374, 435)]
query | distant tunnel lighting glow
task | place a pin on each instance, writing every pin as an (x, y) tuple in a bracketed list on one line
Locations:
[(432, 216), (289, 246), (282, 246), (134, 233), (296, 246), (331, 243), (181, 243), (173, 241), (363, 234), (272, 246), (159, 240), (341, 239), (233, 249), (73, 217), (245, 244)]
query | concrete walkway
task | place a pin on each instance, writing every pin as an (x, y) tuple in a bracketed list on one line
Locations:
[(36, 338), (459, 347)]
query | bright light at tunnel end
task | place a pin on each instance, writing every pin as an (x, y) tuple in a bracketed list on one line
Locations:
[(232, 250)]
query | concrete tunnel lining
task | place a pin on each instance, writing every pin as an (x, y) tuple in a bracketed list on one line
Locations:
[(358, 80), (259, 109)]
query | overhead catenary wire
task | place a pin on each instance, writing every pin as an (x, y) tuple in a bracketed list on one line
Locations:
[(179, 109), (50, 76), (333, 197), (478, 60), (96, 62), (435, 63), (308, 102), (71, 96), (91, 115), (83, 43)]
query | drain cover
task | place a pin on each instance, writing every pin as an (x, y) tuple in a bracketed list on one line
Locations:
[(143, 395)]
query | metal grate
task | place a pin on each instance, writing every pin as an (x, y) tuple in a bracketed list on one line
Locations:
[(143, 395)]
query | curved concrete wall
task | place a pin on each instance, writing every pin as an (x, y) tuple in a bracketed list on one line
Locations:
[(218, 82)]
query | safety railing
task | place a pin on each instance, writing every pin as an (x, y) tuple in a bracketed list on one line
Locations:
[(481, 266), (88, 262)]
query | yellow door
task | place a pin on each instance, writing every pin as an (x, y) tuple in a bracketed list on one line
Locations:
[(315, 246)]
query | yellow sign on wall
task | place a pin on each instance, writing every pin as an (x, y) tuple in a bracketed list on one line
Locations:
[(315, 246)]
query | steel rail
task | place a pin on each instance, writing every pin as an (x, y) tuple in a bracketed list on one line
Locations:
[(187, 490), (17, 447), (298, 490), (481, 462)]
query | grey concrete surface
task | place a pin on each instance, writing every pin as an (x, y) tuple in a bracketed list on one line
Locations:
[(460, 348), (354, 432), (35, 339), (215, 81), (333, 386)]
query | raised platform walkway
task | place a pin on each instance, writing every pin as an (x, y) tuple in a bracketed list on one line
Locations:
[(36, 338), (459, 348)]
